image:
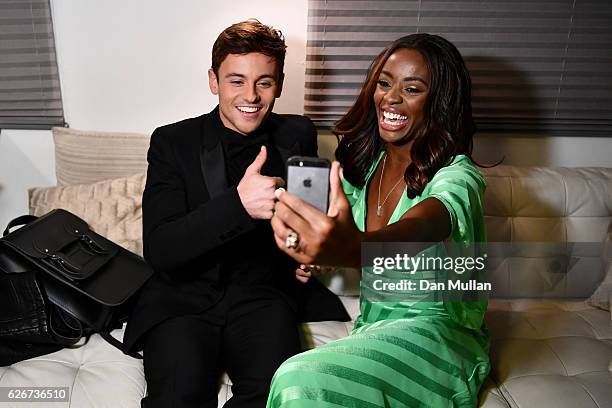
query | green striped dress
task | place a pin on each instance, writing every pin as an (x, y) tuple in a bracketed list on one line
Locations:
[(405, 352)]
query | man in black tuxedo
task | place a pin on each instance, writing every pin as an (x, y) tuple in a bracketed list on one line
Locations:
[(223, 297)]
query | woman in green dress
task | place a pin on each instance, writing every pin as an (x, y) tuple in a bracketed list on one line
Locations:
[(407, 177)]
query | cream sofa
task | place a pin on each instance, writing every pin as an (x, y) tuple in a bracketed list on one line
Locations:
[(545, 353)]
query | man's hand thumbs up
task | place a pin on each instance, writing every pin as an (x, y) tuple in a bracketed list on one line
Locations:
[(257, 191), (255, 167)]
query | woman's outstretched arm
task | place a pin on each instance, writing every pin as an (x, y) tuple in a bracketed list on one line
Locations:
[(334, 239)]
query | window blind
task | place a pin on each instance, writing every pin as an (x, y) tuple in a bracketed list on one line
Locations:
[(537, 66), (30, 96)]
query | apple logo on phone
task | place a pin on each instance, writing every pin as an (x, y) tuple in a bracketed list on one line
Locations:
[(307, 182)]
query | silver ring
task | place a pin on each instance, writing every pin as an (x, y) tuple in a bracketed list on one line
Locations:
[(292, 240)]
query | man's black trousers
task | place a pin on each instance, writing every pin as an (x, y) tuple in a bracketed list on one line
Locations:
[(248, 334)]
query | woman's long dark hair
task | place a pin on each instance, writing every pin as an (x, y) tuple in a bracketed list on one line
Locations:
[(447, 128)]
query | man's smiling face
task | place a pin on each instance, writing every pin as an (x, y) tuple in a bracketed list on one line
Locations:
[(247, 86)]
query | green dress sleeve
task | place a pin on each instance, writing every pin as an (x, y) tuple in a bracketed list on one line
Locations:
[(460, 188)]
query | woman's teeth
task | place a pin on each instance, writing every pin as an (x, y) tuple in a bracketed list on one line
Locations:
[(393, 119), (248, 109)]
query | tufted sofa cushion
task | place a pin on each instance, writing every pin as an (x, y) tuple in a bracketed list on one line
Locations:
[(551, 354), (547, 204), (97, 375), (602, 295), (557, 220)]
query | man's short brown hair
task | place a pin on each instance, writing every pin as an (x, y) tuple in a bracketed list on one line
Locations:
[(246, 37)]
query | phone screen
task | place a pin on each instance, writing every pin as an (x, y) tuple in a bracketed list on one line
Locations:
[(308, 179)]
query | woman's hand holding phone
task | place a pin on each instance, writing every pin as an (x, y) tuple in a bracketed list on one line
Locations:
[(329, 239)]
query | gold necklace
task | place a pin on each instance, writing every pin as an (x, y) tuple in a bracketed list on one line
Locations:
[(382, 174)]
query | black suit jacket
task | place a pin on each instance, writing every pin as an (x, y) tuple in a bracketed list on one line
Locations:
[(190, 212)]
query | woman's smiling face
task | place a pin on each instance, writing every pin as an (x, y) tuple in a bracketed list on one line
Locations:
[(400, 96)]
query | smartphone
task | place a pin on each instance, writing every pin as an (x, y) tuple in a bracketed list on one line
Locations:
[(308, 179)]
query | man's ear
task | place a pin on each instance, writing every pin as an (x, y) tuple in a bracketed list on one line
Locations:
[(213, 82), (279, 87)]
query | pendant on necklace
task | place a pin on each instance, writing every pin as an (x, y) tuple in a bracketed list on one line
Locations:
[(379, 210)]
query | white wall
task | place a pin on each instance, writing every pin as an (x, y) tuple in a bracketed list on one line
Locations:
[(26, 160), (134, 65)]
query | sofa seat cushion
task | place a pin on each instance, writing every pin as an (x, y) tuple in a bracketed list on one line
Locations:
[(491, 396), (550, 354), (97, 375)]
